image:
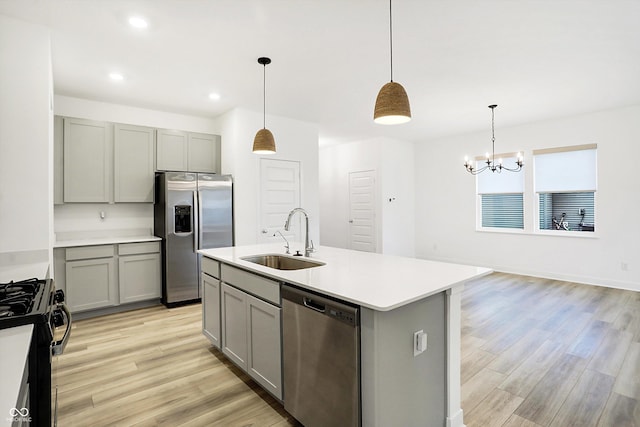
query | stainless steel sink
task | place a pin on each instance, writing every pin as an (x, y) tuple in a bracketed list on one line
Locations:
[(282, 262)]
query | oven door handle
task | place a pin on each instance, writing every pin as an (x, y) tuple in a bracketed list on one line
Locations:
[(58, 347)]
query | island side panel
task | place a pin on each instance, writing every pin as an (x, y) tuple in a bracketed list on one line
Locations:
[(399, 389), (454, 357)]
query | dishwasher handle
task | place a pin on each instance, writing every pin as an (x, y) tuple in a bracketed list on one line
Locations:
[(339, 310), (309, 303)]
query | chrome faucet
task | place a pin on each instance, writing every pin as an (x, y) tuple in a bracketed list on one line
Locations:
[(307, 249), (285, 239)]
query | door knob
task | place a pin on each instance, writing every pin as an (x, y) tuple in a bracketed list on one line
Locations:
[(350, 221), (264, 231)]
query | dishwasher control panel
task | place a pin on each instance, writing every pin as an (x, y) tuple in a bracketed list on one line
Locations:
[(346, 316)]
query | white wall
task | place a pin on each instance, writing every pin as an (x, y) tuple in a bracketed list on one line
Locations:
[(74, 218), (117, 113), (446, 203), (393, 162), (80, 217), (295, 140), (26, 148)]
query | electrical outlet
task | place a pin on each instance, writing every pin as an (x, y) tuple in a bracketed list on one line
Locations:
[(419, 342), (581, 211)]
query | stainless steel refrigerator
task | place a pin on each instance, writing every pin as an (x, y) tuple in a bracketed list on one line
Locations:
[(192, 211)]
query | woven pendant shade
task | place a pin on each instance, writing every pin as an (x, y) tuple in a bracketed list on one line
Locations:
[(392, 105), (264, 143)]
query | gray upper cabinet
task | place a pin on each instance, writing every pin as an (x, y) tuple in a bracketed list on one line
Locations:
[(204, 153), (58, 147), (133, 165), (172, 150), (101, 162), (87, 161), (187, 151)]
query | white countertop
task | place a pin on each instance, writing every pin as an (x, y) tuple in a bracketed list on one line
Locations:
[(376, 281), (38, 270), (104, 241), (14, 343)]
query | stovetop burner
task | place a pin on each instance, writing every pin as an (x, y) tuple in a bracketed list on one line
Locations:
[(17, 298)]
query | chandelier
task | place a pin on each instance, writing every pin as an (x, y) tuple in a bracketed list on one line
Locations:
[(491, 160)]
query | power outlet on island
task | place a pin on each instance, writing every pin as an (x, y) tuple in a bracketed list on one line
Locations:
[(419, 342)]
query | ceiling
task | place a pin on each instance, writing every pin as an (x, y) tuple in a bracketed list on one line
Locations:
[(536, 59)]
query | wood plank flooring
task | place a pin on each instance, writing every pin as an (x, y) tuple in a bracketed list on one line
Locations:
[(153, 367), (535, 352), (539, 352)]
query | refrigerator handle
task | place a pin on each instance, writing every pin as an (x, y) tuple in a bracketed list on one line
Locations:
[(200, 224), (196, 220)]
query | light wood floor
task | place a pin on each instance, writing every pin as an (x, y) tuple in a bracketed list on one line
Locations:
[(540, 352), (534, 353)]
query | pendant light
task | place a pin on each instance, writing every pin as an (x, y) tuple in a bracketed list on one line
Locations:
[(264, 143), (392, 103), (491, 160)]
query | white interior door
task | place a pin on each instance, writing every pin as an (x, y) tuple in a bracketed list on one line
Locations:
[(362, 211), (279, 193)]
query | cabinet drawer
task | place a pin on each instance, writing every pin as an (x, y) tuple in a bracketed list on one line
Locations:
[(138, 248), (259, 286), (211, 267), (88, 252)]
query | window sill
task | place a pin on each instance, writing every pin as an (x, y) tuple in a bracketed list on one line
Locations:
[(552, 233), (565, 233)]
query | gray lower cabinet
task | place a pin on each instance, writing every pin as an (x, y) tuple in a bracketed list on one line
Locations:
[(90, 278), (264, 356), (234, 325), (250, 327), (98, 276), (139, 271), (211, 308)]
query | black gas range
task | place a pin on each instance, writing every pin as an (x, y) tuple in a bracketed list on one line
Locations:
[(36, 302)]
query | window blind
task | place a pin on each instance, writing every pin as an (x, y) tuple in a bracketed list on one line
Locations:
[(504, 182), (565, 171), (502, 210)]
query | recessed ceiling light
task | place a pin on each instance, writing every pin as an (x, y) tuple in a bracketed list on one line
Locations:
[(214, 96), (138, 22), (116, 77)]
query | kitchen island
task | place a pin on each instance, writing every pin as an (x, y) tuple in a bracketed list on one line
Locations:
[(397, 297)]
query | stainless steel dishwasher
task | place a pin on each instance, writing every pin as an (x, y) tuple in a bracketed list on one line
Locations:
[(321, 359)]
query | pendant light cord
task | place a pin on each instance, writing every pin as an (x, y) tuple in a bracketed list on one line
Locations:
[(264, 96), (493, 136), (391, 39)]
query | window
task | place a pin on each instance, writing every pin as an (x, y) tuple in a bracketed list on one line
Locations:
[(502, 211), (501, 198), (565, 183)]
